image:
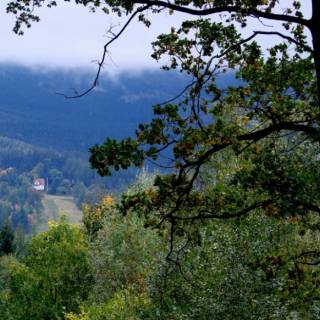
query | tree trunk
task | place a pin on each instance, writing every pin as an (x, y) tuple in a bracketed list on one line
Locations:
[(315, 32)]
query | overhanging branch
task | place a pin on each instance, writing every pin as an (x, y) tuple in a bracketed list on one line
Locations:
[(255, 136), (223, 216), (230, 9)]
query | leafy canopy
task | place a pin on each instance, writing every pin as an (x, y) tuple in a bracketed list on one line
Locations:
[(257, 122)]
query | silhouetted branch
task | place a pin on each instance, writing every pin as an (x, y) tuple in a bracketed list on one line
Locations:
[(104, 54), (230, 9), (224, 216)]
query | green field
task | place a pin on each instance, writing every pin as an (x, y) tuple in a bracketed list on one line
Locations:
[(56, 207)]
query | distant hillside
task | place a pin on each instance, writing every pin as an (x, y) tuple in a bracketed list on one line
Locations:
[(31, 111), (68, 180), (43, 162), (24, 156)]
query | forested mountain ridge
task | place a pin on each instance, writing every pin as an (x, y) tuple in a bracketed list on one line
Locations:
[(32, 111), (65, 174), (22, 163)]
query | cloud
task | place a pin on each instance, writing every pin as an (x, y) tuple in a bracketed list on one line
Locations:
[(70, 36)]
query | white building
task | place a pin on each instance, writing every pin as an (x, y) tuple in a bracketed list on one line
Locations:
[(39, 184)]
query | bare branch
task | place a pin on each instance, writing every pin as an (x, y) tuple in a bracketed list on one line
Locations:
[(104, 54), (188, 86)]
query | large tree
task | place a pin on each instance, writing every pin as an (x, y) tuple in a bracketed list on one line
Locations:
[(255, 124), (52, 278)]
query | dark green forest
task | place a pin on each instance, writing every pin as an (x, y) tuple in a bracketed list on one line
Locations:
[(33, 110), (225, 223), (22, 163)]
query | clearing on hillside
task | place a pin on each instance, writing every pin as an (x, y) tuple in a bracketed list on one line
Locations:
[(56, 207)]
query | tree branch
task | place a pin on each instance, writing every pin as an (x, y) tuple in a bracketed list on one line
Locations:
[(208, 215), (255, 136), (230, 9), (104, 54), (290, 39)]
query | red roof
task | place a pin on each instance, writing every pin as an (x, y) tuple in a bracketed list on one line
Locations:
[(39, 182)]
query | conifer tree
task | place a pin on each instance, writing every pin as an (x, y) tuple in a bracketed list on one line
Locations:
[(6, 239)]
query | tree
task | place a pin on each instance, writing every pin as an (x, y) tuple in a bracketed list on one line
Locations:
[(124, 257), (273, 108), (6, 239), (53, 277)]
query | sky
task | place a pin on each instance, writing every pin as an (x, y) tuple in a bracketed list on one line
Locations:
[(70, 36)]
